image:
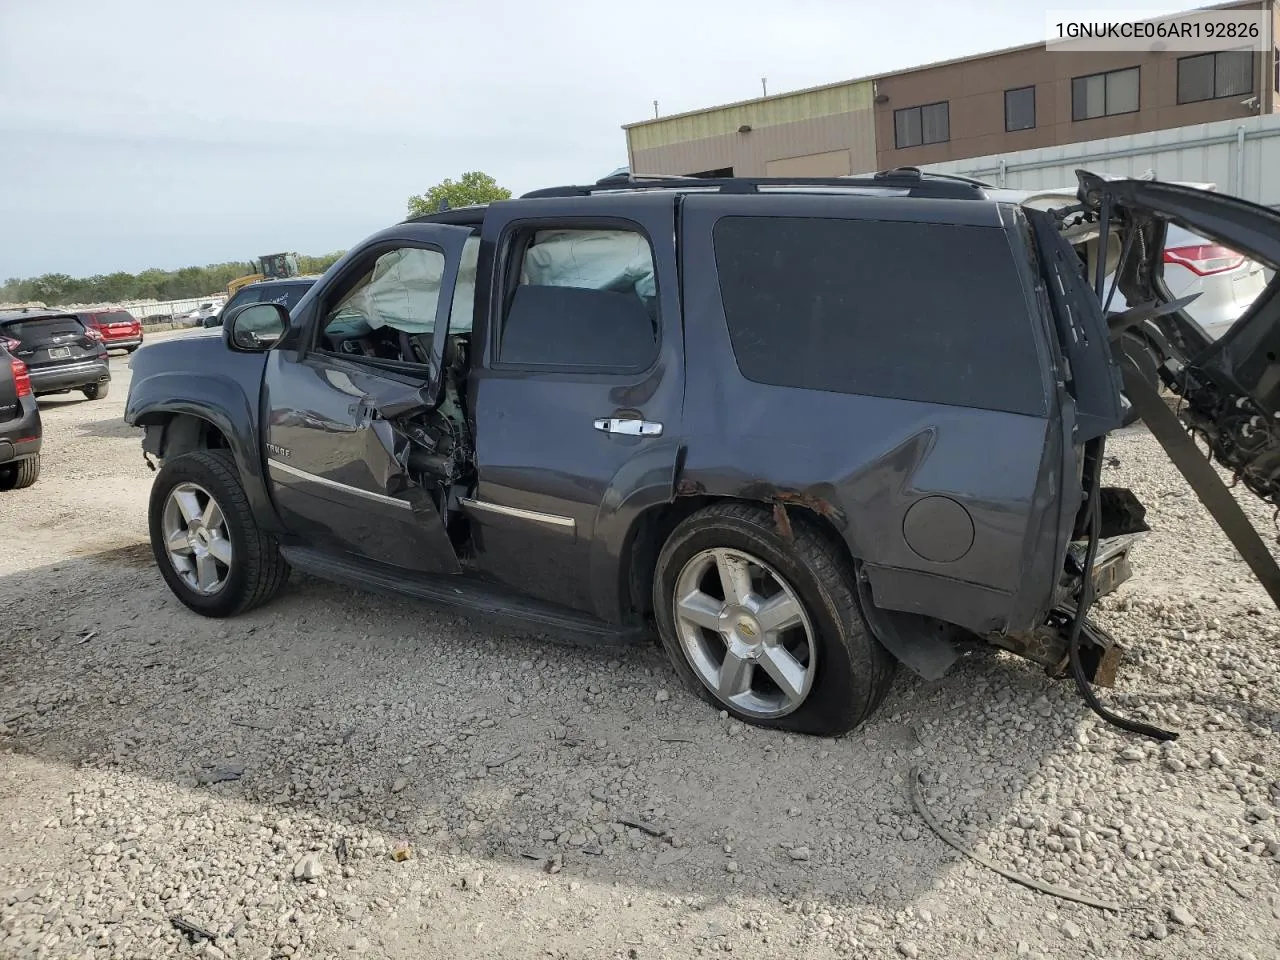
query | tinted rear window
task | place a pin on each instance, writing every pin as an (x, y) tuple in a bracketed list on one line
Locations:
[(918, 311), (44, 327), (114, 316)]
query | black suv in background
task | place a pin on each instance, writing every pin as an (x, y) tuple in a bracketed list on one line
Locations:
[(285, 292), (805, 429), (61, 351), (19, 423)]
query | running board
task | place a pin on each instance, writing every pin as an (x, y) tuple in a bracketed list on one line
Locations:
[(464, 593)]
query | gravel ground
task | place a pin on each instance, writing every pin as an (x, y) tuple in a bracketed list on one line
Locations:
[(341, 774)]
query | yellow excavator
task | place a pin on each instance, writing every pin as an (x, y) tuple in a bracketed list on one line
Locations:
[(269, 266)]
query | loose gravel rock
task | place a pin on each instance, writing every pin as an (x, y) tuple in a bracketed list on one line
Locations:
[(463, 791)]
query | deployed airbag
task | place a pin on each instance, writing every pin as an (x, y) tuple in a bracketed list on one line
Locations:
[(617, 260), (402, 293)]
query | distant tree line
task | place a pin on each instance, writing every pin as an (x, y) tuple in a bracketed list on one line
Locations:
[(188, 282)]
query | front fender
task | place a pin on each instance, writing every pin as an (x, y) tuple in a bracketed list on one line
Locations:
[(222, 400)]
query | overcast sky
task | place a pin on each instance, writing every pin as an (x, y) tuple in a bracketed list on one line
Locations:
[(166, 133)]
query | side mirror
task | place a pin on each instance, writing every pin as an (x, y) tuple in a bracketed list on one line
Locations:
[(255, 327)]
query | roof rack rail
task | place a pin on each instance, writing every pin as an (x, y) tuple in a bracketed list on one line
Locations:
[(910, 179)]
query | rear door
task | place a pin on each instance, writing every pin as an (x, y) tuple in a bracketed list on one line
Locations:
[(50, 341), (577, 401)]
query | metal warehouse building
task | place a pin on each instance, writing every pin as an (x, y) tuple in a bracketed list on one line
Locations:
[(1010, 100)]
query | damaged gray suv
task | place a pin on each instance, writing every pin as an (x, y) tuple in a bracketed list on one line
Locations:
[(806, 430)]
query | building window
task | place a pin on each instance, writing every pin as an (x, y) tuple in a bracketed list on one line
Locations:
[(914, 126), (1020, 109), (1104, 94), (1212, 76)]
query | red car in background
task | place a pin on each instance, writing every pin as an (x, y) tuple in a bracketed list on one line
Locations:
[(120, 329)]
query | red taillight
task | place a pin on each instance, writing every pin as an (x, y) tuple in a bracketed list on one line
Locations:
[(21, 378), (1204, 259)]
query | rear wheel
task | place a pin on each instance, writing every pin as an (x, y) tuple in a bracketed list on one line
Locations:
[(765, 627), (96, 391), (205, 540), (21, 474)]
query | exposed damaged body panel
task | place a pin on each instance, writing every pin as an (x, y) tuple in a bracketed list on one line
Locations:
[(1229, 387)]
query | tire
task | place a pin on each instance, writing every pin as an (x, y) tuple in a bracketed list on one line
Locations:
[(97, 391), (255, 573), (847, 672), (21, 474)]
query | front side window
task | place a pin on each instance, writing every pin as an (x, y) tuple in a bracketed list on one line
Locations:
[(1212, 76), (1105, 94), (583, 299), (1020, 109), (391, 311), (916, 126)]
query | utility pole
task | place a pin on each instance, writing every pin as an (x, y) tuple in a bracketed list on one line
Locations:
[(655, 109), (764, 86)]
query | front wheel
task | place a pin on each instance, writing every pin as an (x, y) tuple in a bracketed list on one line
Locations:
[(205, 539), (768, 627)]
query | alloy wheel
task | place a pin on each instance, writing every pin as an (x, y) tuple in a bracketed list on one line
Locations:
[(745, 632), (196, 538)]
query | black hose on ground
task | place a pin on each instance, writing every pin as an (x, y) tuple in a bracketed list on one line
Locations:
[(1086, 601)]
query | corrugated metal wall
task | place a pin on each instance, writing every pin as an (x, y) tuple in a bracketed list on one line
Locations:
[(1208, 152)]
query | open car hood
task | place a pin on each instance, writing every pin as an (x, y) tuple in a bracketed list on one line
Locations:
[(1229, 387)]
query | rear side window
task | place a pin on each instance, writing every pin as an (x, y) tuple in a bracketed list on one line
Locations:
[(915, 311), (584, 299)]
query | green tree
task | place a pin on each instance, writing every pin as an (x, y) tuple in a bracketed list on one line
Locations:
[(57, 288), (472, 187)]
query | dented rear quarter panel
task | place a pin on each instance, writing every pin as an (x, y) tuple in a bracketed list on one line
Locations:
[(863, 461)]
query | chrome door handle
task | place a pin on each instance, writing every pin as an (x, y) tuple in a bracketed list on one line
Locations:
[(629, 427)]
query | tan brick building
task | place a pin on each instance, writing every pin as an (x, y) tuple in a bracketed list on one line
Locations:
[(999, 102)]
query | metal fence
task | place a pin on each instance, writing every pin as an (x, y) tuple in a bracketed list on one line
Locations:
[(170, 308)]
